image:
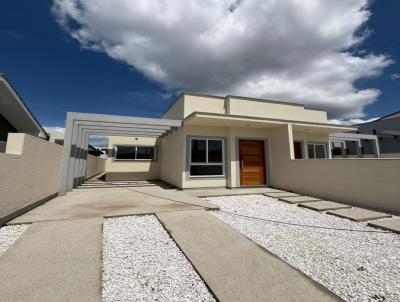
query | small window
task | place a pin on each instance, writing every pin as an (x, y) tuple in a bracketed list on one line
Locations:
[(320, 151), (143, 152), (206, 157), (123, 152), (316, 151)]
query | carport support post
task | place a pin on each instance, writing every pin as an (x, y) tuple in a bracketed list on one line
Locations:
[(67, 155), (73, 157), (85, 153), (80, 175), (78, 157), (84, 157)]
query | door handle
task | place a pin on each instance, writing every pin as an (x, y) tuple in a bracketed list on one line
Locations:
[(241, 163)]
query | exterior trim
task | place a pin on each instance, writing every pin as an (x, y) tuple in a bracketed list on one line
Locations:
[(194, 114)]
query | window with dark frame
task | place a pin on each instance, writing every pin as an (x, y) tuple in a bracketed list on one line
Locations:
[(316, 151), (124, 152), (206, 157)]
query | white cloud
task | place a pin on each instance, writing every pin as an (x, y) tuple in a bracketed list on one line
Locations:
[(98, 141), (395, 76), (294, 50), (352, 121), (57, 129)]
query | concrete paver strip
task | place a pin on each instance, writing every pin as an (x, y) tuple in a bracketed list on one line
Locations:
[(390, 224), (281, 194), (358, 214), (298, 199), (54, 261), (234, 267), (323, 205)]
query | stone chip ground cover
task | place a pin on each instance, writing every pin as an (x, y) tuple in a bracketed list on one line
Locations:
[(142, 263), (356, 266), (9, 234)]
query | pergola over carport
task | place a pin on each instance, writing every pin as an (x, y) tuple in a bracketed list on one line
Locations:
[(80, 126)]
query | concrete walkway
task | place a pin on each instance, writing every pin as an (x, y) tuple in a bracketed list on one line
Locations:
[(236, 268), (54, 261)]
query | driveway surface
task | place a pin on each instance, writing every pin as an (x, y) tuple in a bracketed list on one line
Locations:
[(59, 257)]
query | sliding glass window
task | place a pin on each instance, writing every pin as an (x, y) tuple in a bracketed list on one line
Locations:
[(206, 157)]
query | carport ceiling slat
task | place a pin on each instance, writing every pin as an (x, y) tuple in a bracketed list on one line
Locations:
[(100, 118), (124, 125)]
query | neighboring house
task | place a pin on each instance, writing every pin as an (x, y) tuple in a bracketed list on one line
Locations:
[(55, 136), (351, 145), (387, 129), (223, 142), (15, 115)]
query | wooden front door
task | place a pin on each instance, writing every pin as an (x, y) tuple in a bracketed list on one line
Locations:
[(252, 163)]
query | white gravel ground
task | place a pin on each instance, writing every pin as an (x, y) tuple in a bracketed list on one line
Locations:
[(356, 266), (9, 234), (142, 263)]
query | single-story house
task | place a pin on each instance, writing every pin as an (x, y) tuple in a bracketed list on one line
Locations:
[(15, 116), (387, 130), (223, 142)]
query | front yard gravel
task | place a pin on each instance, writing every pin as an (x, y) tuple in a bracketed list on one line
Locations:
[(142, 263), (356, 266), (9, 234)]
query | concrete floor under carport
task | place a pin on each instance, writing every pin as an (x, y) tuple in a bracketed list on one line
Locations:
[(105, 199)]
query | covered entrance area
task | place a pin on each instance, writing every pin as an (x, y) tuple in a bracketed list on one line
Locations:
[(80, 126)]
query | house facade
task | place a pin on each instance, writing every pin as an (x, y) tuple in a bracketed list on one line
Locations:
[(387, 130), (15, 116), (224, 142)]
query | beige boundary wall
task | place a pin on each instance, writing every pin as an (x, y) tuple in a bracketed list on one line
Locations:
[(94, 165), (366, 182), (29, 173)]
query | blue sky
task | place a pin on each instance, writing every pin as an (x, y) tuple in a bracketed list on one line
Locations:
[(55, 73)]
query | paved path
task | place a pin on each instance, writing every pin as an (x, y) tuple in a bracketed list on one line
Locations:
[(236, 268), (54, 261)]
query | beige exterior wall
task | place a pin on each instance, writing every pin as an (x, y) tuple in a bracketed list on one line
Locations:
[(200, 182), (308, 137), (29, 171), (172, 158), (189, 103), (176, 110), (203, 104), (135, 169), (366, 182), (274, 110), (231, 136), (94, 165), (390, 155)]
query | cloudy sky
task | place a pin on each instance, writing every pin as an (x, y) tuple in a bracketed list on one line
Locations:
[(132, 57)]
